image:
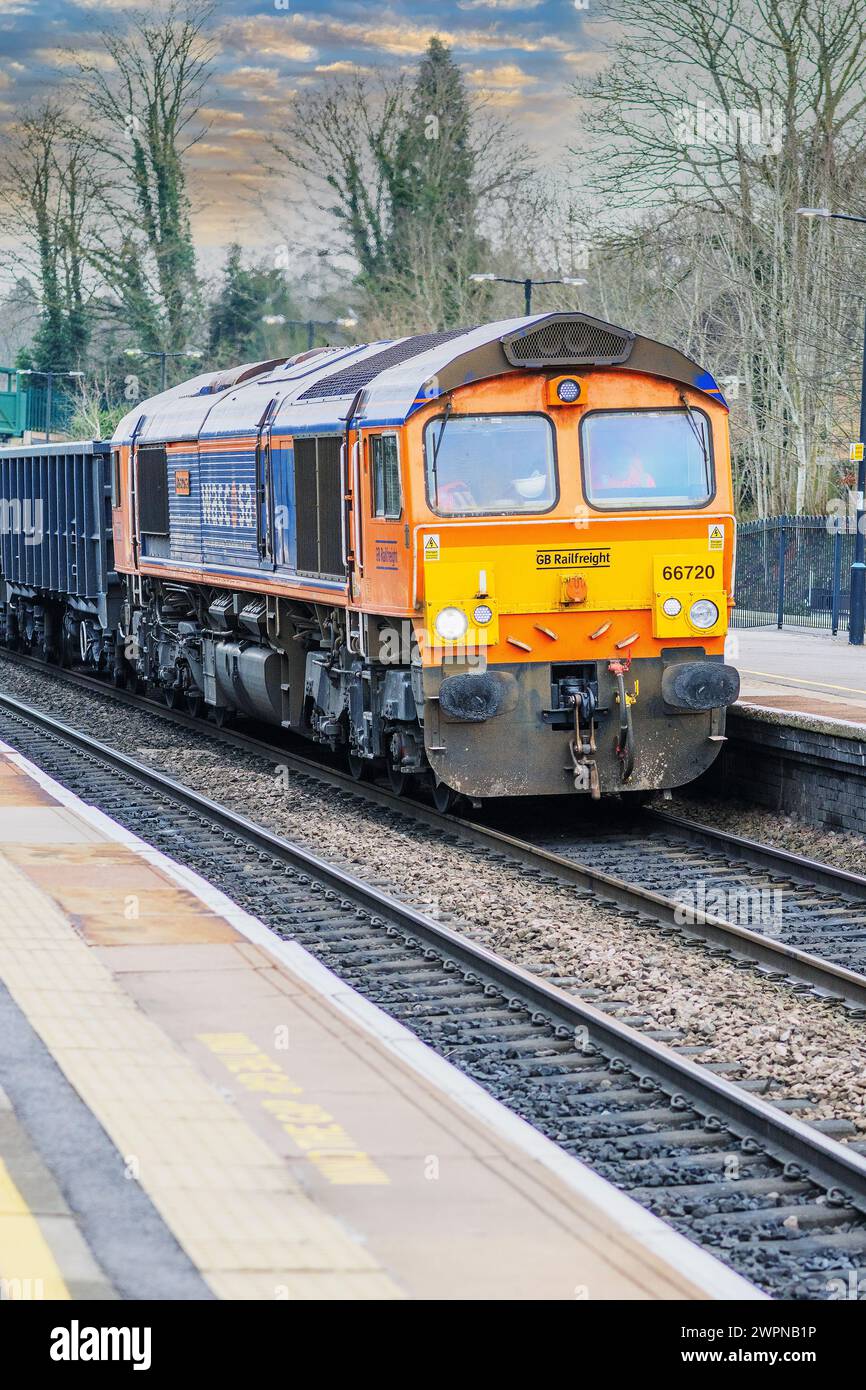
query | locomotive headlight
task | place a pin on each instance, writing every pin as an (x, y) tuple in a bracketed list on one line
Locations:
[(482, 613), (451, 624), (568, 390), (671, 607), (703, 613)]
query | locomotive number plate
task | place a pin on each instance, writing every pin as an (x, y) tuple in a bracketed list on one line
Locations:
[(572, 559)]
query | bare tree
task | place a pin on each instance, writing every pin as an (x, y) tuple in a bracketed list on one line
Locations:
[(417, 180), (50, 196), (724, 117), (144, 110), (341, 138)]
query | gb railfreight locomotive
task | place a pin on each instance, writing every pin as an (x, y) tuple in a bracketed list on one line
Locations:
[(496, 559)]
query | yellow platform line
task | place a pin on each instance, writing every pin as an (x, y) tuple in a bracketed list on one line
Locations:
[(800, 680), (226, 1195), (27, 1267)]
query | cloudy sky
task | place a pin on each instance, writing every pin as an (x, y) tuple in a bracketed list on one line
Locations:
[(521, 54)]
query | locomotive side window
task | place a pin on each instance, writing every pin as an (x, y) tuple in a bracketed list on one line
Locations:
[(646, 458), (115, 477), (385, 467), (490, 465)]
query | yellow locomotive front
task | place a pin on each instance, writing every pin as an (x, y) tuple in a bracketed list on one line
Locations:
[(573, 551)]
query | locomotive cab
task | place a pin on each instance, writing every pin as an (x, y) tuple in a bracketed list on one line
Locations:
[(576, 575)]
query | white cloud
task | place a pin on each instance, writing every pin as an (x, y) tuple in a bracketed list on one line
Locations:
[(101, 4), (243, 77), (388, 33), (499, 4), (340, 66), (216, 113), (590, 61), (247, 133), (256, 84), (65, 58), (503, 75), (268, 36)]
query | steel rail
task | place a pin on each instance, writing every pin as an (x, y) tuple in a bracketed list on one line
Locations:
[(810, 872)]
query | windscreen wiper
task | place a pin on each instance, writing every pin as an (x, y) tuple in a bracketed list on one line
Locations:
[(449, 406), (696, 430)]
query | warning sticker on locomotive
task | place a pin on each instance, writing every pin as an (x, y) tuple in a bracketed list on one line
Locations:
[(181, 482), (568, 559), (431, 546), (716, 537)]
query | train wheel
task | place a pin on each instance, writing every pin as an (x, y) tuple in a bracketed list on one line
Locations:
[(194, 705), (444, 797), (398, 781), (68, 649), (222, 717), (357, 767), (174, 698)]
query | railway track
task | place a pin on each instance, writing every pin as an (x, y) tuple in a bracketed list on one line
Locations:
[(781, 1202), (790, 917)]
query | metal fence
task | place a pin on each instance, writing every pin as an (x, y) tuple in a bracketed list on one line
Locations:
[(793, 569), (62, 408)]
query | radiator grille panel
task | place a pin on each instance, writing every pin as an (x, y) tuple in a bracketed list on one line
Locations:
[(152, 491), (358, 374), (567, 342), (307, 505), (330, 508), (319, 506)]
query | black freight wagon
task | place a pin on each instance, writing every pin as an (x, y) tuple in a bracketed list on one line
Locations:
[(59, 591)]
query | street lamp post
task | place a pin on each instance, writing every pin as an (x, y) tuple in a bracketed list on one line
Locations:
[(857, 603), (163, 359), (310, 324), (528, 284), (49, 391)]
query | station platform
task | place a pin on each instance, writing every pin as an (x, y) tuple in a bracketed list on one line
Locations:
[(193, 1108), (801, 670)]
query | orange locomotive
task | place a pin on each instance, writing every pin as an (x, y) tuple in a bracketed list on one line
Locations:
[(498, 558)]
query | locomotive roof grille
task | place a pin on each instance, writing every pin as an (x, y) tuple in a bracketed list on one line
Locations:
[(358, 374), (568, 341)]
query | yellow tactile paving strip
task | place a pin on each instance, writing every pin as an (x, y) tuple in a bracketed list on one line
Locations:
[(226, 1196), (25, 1255)]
